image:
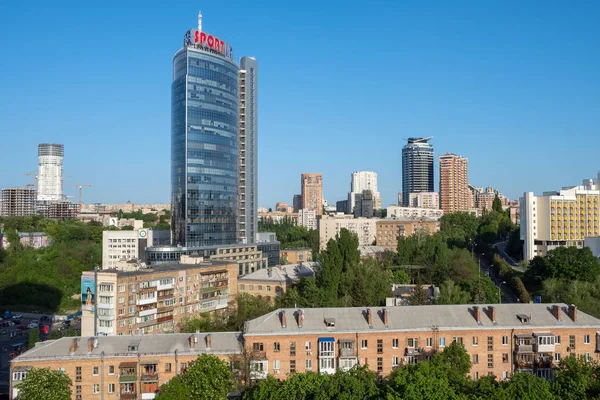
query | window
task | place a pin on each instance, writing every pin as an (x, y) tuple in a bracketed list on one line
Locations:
[(586, 339), (292, 348), (96, 388), (121, 288), (457, 339), (557, 339), (490, 361), (557, 357), (504, 374), (394, 343), (475, 341), (476, 375), (292, 366), (490, 342), (250, 287), (428, 342), (379, 346), (308, 346), (276, 366), (276, 347), (308, 365), (395, 362), (413, 342), (121, 300), (19, 376), (588, 357), (257, 347), (504, 340), (505, 357), (95, 370), (442, 342), (475, 358), (111, 388), (183, 366), (379, 364), (78, 392), (242, 286), (363, 344), (572, 342), (77, 374), (167, 367), (111, 369)]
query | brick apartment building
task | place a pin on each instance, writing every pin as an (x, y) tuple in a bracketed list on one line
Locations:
[(500, 340), (296, 256), (388, 231)]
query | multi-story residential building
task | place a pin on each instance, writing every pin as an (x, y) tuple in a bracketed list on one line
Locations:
[(454, 183), (361, 181), (563, 218), (271, 282), (312, 192), (307, 218), (389, 230), (278, 217), (58, 210), (248, 257), (413, 212), (417, 167), (18, 202), (123, 367), (296, 256), (341, 206), (423, 200), (330, 226), (124, 246), (248, 150), (483, 199), (363, 204), (297, 202), (36, 240), (281, 206), (267, 243), (500, 339), (154, 300)]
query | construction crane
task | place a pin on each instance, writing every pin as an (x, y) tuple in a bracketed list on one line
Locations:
[(35, 180), (80, 186)]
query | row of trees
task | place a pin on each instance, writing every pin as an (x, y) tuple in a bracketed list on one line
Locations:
[(151, 220), (291, 235), (444, 376)]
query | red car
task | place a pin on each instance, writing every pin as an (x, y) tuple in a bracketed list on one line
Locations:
[(45, 329)]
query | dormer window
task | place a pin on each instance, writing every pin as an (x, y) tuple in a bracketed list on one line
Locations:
[(330, 322), (525, 319)]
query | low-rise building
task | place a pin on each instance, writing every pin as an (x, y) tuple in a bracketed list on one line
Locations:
[(123, 367), (119, 246), (154, 300), (296, 256), (272, 282), (414, 212), (37, 240), (278, 217), (391, 229), (402, 294), (371, 251), (331, 225)]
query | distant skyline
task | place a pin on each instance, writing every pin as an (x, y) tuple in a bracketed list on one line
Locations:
[(513, 87)]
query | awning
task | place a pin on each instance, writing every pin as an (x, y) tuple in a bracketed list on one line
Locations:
[(128, 365), (543, 334), (347, 340), (22, 368), (326, 339), (523, 335), (149, 362)]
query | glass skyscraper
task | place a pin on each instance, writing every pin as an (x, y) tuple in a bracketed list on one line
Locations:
[(204, 142), (417, 168)]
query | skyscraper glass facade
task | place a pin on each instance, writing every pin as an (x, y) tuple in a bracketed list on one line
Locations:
[(417, 168), (204, 148)]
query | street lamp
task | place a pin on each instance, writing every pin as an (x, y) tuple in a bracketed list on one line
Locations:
[(499, 292)]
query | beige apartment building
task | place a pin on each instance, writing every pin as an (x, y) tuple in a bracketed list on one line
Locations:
[(330, 226), (388, 231), (454, 183), (154, 300), (312, 192), (272, 282), (295, 256)]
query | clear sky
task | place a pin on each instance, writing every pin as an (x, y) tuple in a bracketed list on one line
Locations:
[(512, 85)]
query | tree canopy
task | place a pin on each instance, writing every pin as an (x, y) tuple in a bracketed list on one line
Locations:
[(45, 384)]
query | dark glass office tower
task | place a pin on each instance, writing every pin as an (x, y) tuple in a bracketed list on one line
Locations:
[(204, 142), (417, 168)]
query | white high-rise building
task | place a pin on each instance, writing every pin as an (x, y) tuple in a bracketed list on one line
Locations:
[(567, 217), (50, 176), (363, 180)]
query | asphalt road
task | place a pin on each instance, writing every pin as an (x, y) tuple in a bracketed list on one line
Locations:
[(507, 295), (501, 247)]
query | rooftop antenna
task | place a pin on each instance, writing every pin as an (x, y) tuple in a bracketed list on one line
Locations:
[(200, 21)]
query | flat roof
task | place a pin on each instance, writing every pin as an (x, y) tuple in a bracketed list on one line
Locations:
[(154, 268)]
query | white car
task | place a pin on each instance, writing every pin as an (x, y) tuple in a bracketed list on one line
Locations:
[(17, 316), (10, 323), (32, 325)]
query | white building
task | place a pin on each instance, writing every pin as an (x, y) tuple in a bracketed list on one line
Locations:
[(330, 226), (360, 181), (120, 246), (418, 212), (424, 200), (50, 176), (564, 218), (307, 218)]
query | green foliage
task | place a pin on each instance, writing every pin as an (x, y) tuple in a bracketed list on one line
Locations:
[(567, 263), (419, 296), (33, 337), (45, 384), (585, 295), (497, 204), (519, 289), (514, 247), (450, 293), (400, 276), (528, 387), (576, 378), (207, 377), (459, 228)]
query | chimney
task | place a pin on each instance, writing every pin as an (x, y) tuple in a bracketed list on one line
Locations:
[(192, 341), (90, 344), (369, 317), (385, 316), (492, 311), (283, 321), (208, 341), (300, 318), (74, 344), (573, 312), (477, 314), (556, 312)]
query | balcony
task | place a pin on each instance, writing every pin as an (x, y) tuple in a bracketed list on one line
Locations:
[(347, 352), (164, 319), (148, 396), (147, 289), (141, 302), (149, 377), (165, 309), (259, 355), (524, 348), (543, 342), (166, 286), (128, 378), (147, 312), (128, 396), (413, 351), (144, 324)]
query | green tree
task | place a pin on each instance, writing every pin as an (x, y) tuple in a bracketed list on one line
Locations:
[(419, 296), (497, 204), (400, 276), (45, 384), (528, 387), (450, 293), (33, 337), (207, 377), (459, 228), (576, 378), (569, 263), (423, 381)]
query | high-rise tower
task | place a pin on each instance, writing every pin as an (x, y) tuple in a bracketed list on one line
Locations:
[(361, 181), (50, 176), (454, 183), (248, 151), (417, 168), (312, 192), (204, 142)]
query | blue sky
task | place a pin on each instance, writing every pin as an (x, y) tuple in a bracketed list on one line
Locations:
[(514, 87)]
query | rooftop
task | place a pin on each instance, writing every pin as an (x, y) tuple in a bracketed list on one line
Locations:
[(154, 268), (134, 346), (417, 318), (290, 272)]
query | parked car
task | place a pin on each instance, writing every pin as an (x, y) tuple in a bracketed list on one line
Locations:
[(7, 314), (66, 324), (35, 321), (17, 316), (45, 318), (16, 321), (10, 323), (32, 325)]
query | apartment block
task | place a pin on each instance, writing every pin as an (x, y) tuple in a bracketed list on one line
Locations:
[(307, 218), (124, 246), (563, 218), (122, 367), (272, 282), (154, 300), (454, 183), (390, 230), (330, 226), (500, 339), (414, 212), (278, 217), (297, 255), (312, 192), (422, 200), (17, 202)]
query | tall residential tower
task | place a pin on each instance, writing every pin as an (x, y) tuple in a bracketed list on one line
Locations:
[(454, 183), (312, 192), (50, 176), (417, 168), (361, 181)]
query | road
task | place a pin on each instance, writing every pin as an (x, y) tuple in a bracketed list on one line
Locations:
[(507, 295), (501, 247)]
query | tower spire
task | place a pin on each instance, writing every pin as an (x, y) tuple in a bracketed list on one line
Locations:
[(200, 21)]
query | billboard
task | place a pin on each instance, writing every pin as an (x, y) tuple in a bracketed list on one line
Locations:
[(88, 293)]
